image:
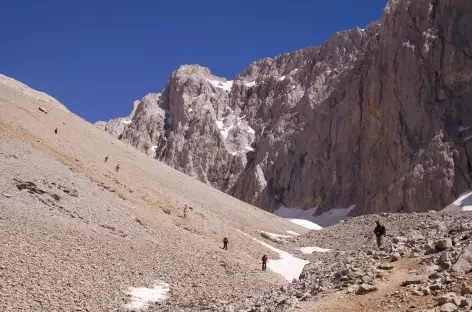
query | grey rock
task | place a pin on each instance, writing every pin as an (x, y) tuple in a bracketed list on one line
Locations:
[(443, 244), (365, 289), (463, 263), (414, 280), (448, 307), (395, 257)]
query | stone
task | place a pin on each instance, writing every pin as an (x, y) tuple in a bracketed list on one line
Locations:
[(414, 280), (365, 289), (463, 263), (385, 266), (448, 307), (399, 240), (466, 289), (395, 257), (450, 298), (42, 109), (443, 244)]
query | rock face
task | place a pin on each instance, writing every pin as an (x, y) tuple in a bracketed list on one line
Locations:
[(376, 117)]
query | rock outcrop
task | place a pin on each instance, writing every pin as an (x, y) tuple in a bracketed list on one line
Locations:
[(376, 117)]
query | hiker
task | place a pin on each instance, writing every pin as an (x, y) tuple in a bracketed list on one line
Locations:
[(264, 262), (55, 131), (117, 167), (185, 211), (106, 159), (225, 243), (379, 231)]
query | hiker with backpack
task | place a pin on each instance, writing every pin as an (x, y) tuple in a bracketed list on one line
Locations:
[(264, 262), (379, 231), (225, 243)]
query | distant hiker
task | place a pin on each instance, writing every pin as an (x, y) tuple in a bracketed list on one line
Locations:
[(225, 243), (106, 159), (379, 231), (55, 131), (117, 167), (185, 211), (264, 262)]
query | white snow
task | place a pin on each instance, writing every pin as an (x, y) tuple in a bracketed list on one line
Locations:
[(250, 84), (292, 232), (225, 132), (306, 224), (288, 266), (219, 124), (250, 130), (154, 147), (282, 78), (249, 148), (462, 128), (190, 110), (234, 153), (464, 201), (141, 297), (226, 85), (126, 121), (310, 250), (333, 216), (306, 218), (408, 44)]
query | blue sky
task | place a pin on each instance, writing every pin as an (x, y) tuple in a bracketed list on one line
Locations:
[(98, 56)]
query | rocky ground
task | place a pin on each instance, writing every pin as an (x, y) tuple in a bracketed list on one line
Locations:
[(424, 265)]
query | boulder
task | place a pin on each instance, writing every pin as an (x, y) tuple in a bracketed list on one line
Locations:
[(463, 263), (365, 289), (443, 244)]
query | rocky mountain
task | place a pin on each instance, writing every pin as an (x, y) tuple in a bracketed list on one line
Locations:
[(378, 118)]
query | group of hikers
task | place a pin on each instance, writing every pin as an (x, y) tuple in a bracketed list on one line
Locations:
[(379, 232), (264, 257), (106, 158), (117, 166)]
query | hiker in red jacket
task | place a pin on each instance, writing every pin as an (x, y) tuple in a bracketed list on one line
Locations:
[(264, 262)]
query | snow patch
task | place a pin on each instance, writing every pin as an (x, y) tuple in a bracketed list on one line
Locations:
[(292, 232), (333, 216), (126, 121), (226, 85), (310, 250), (250, 84), (282, 78), (288, 266), (154, 147), (234, 153), (462, 128), (248, 148), (306, 218), (464, 201), (250, 130), (141, 297), (225, 132), (190, 110), (306, 224), (408, 44)]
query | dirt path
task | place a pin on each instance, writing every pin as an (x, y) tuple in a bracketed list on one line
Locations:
[(380, 300)]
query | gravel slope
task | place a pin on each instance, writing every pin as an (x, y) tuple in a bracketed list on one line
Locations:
[(75, 234)]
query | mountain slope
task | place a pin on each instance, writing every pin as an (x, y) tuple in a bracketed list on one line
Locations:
[(75, 233), (373, 118)]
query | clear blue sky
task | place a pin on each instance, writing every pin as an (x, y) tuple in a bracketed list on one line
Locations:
[(98, 56)]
